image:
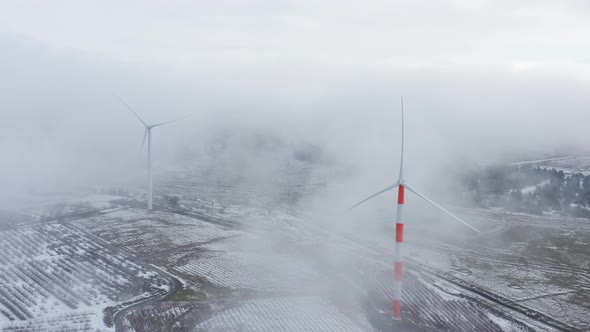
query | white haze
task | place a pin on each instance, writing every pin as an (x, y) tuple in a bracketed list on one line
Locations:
[(482, 81)]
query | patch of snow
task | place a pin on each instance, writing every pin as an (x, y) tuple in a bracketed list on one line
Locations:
[(530, 189), (280, 314), (504, 324)]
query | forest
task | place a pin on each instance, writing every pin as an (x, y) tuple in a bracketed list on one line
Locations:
[(529, 189)]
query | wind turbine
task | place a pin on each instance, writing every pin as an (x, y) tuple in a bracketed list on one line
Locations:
[(401, 184), (147, 136)]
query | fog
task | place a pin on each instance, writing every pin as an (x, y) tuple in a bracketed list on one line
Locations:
[(483, 82)]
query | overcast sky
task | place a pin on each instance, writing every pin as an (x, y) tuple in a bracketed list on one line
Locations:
[(187, 35), (480, 77)]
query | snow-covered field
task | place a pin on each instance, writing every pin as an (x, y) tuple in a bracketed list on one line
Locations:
[(306, 313), (251, 260), (538, 262), (152, 233), (270, 258), (55, 278)]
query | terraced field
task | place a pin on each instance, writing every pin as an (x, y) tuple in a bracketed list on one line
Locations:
[(251, 259), (254, 271), (282, 314), (149, 234), (537, 265), (428, 305), (278, 255), (176, 317), (54, 278)]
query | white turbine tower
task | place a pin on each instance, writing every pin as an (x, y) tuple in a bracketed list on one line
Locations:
[(147, 135), (399, 226)]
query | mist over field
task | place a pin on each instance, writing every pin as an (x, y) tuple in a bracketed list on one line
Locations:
[(290, 114), (261, 69)]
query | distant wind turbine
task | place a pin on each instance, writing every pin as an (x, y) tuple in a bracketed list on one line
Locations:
[(399, 226), (148, 136)]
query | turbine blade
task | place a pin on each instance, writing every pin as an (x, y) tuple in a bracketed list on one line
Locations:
[(401, 163), (368, 198), (163, 123), (131, 109), (440, 208)]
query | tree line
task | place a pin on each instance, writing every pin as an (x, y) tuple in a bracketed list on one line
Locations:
[(530, 189)]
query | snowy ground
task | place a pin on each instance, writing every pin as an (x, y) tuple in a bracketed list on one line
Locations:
[(251, 260), (53, 278), (540, 262), (305, 313), (235, 261)]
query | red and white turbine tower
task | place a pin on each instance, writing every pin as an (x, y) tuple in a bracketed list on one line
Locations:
[(402, 185)]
